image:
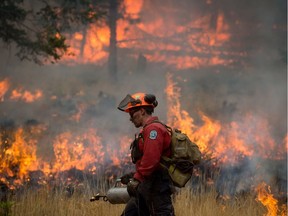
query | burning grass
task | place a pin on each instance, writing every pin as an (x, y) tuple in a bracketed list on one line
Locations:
[(46, 202), (238, 154)]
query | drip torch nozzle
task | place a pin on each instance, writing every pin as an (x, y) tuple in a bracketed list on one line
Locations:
[(97, 197)]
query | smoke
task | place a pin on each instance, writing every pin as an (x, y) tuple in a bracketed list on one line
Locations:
[(78, 97)]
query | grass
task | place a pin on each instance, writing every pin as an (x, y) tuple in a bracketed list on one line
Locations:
[(187, 203), (45, 203)]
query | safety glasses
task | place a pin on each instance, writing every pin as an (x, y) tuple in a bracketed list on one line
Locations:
[(132, 112)]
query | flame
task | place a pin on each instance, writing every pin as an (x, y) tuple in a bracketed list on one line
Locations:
[(191, 45), (4, 86), (266, 198), (120, 149), (77, 151), (177, 117), (249, 136), (205, 135), (88, 46), (154, 38), (20, 157), (83, 151), (220, 35), (18, 94), (133, 8), (80, 110), (26, 96)]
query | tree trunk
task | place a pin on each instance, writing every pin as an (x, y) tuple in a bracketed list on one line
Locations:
[(112, 59)]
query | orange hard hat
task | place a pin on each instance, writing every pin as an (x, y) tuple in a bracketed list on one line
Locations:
[(137, 100)]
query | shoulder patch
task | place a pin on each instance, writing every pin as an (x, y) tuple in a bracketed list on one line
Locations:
[(153, 134)]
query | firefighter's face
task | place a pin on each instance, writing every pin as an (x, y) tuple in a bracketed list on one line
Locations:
[(136, 117)]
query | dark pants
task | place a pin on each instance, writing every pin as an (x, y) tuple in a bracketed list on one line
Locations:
[(153, 198)]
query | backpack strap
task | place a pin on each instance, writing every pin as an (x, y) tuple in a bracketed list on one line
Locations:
[(154, 121), (157, 121)]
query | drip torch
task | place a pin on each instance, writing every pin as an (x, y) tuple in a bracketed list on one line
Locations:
[(115, 195)]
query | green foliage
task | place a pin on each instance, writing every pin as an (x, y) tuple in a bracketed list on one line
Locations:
[(37, 28), (10, 15)]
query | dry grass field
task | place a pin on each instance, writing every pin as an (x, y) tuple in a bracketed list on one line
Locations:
[(44, 203)]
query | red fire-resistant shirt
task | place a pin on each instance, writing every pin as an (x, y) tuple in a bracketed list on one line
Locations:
[(155, 143)]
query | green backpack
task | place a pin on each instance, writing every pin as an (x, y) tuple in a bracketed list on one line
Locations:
[(184, 155)]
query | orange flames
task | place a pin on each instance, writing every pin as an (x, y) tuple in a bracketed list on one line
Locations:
[(26, 96), (4, 86), (20, 157), (247, 137), (83, 151), (88, 151), (267, 199), (89, 45), (190, 45), (77, 151), (18, 94)]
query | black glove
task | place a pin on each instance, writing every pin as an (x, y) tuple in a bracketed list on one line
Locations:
[(126, 178), (132, 187)]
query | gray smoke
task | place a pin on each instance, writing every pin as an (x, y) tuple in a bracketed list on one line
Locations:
[(255, 81)]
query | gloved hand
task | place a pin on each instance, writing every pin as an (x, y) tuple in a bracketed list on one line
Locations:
[(126, 178), (132, 187)]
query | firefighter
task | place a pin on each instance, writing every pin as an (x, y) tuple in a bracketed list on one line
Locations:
[(150, 187)]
